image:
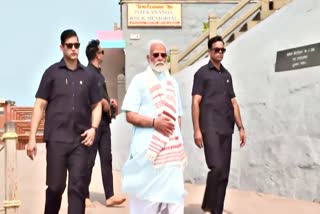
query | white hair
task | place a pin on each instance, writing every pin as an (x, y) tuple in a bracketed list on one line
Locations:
[(155, 41)]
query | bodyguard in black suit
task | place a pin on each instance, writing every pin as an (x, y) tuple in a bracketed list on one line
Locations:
[(214, 113), (67, 94), (102, 142)]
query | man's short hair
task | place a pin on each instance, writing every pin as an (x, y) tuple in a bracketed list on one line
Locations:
[(155, 41), (214, 40), (92, 49), (67, 34)]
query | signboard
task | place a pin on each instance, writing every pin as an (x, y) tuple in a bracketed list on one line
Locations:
[(154, 15), (297, 58)]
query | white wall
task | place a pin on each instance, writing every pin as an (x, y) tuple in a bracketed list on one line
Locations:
[(280, 110)]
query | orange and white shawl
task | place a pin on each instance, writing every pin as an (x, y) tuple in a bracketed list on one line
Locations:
[(162, 150)]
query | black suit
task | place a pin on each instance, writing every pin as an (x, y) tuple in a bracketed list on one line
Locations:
[(217, 126), (102, 142), (69, 95)]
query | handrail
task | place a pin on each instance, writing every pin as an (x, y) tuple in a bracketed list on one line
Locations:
[(232, 12), (241, 20), (178, 60), (205, 35), (194, 58), (191, 47)]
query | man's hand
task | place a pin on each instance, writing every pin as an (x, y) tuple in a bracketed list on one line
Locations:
[(32, 148), (164, 125), (114, 104), (198, 139), (242, 137), (88, 136)]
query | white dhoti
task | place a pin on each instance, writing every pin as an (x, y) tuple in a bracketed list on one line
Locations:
[(138, 206)]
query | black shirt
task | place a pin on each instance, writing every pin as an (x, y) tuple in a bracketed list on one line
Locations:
[(103, 92), (216, 89), (70, 95)]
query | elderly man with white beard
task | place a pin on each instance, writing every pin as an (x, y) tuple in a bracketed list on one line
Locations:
[(153, 174)]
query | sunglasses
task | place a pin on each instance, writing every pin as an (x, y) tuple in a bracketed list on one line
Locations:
[(156, 55), (217, 50), (70, 45), (101, 52)]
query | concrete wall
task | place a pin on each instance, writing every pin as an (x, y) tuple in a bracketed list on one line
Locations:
[(280, 110), (113, 65)]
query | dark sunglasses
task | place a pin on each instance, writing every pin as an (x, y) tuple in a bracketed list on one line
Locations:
[(70, 45), (156, 55), (101, 52), (217, 50)]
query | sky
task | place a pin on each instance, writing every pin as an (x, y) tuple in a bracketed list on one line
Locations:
[(30, 39)]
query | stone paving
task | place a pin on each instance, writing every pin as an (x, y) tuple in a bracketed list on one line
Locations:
[(32, 192)]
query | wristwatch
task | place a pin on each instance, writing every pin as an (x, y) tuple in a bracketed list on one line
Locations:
[(95, 129)]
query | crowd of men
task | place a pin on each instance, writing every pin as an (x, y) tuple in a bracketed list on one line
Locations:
[(78, 113)]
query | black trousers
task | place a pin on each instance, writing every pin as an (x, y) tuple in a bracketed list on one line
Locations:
[(102, 142), (63, 158), (217, 150)]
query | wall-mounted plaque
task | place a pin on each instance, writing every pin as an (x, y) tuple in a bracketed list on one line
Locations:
[(154, 15), (297, 58)]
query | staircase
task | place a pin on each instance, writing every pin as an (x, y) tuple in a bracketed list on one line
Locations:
[(255, 12)]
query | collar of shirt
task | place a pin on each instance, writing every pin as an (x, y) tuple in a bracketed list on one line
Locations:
[(62, 64), (160, 75), (212, 67), (90, 65)]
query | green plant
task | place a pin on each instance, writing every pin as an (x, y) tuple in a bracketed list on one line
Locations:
[(205, 26), (168, 58)]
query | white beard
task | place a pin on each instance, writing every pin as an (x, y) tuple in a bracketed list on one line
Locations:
[(159, 67)]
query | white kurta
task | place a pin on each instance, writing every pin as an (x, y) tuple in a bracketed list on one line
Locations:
[(139, 177)]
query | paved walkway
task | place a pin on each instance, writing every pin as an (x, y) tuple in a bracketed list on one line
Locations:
[(32, 192)]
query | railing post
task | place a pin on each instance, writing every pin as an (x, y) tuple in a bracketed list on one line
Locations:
[(174, 66), (7, 109), (11, 202), (277, 4), (121, 88), (265, 9), (213, 23)]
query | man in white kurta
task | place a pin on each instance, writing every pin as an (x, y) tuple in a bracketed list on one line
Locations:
[(153, 174)]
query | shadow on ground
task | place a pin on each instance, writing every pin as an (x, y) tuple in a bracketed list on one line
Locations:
[(99, 200), (97, 196), (196, 209)]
